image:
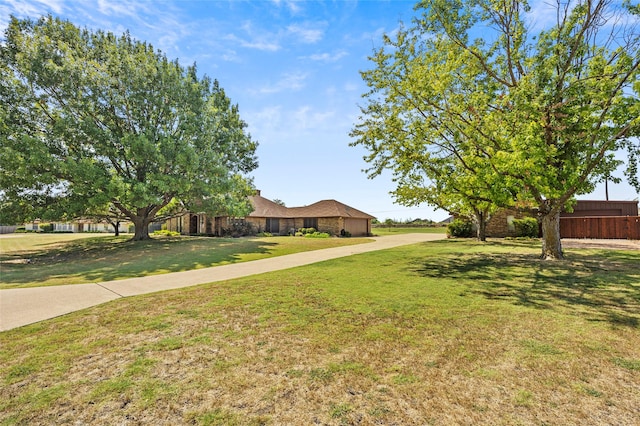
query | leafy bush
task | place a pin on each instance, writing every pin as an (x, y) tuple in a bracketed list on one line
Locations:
[(239, 229), (166, 233), (47, 227), (265, 234), (460, 229), (317, 235), (299, 234), (305, 231), (526, 227), (345, 233)]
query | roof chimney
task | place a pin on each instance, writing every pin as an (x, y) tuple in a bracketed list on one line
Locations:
[(258, 192)]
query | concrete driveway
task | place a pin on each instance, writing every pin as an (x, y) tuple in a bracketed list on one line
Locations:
[(24, 306)]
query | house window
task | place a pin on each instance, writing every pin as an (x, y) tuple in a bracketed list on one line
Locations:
[(311, 222), (236, 221)]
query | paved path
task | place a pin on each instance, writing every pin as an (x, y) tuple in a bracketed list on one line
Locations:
[(24, 306)]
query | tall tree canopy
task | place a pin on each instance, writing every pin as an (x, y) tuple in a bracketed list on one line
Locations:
[(90, 119), (422, 119), (470, 91)]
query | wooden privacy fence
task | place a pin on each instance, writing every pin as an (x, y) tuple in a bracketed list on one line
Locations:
[(619, 227)]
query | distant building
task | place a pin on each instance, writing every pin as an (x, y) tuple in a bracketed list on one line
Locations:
[(75, 226)]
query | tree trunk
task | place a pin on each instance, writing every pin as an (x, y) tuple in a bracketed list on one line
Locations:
[(116, 228), (141, 224), (551, 244), (481, 219), (482, 231)]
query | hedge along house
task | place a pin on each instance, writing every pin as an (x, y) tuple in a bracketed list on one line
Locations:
[(330, 216)]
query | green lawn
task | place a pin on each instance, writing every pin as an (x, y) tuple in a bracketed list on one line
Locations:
[(447, 332), (55, 259), (383, 230)]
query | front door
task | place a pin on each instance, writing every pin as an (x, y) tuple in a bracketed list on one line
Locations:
[(193, 224), (273, 225)]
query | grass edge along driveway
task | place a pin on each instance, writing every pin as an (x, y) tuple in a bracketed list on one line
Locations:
[(32, 260), (22, 306)]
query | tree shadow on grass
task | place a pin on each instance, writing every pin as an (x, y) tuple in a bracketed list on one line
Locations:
[(114, 259), (600, 285)]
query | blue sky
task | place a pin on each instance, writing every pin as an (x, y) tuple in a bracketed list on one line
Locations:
[(293, 69)]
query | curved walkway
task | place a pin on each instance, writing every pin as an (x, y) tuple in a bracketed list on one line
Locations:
[(24, 306)]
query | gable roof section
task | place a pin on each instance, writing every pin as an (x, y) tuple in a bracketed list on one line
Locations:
[(329, 208), (263, 207)]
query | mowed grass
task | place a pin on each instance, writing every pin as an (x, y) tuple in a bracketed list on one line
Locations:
[(383, 230), (447, 332), (28, 260)]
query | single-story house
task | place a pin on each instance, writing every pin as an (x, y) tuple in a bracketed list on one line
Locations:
[(329, 216), (75, 226)]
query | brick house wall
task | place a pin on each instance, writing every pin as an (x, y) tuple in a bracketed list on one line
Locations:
[(501, 223)]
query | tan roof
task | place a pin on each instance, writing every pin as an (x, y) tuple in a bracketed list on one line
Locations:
[(264, 207), (329, 208)]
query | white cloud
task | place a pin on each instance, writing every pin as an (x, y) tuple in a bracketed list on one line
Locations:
[(23, 9), (262, 44), (293, 6), (305, 118), (542, 15), (351, 87), (260, 40), (328, 57), (231, 56), (112, 8), (265, 121), (34, 8), (305, 33), (290, 81)]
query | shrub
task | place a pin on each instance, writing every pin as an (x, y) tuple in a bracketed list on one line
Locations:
[(47, 227), (166, 233), (239, 229), (317, 235), (526, 227), (265, 234), (460, 229)]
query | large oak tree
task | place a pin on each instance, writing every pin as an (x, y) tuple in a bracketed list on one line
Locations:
[(541, 113), (90, 119)]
